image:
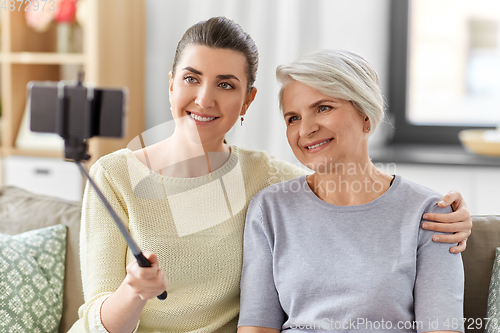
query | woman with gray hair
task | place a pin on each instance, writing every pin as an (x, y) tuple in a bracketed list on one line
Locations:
[(342, 249)]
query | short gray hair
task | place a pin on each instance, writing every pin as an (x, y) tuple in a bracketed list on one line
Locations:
[(340, 74)]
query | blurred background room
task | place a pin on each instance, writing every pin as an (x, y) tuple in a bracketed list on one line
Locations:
[(438, 62)]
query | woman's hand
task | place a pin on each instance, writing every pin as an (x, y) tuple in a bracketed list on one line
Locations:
[(459, 222), (146, 282), (121, 311)]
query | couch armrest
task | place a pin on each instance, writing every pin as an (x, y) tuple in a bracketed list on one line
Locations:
[(478, 261)]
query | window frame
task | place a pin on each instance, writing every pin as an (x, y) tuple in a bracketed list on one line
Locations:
[(406, 132)]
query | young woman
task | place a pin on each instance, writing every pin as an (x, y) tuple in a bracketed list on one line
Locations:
[(342, 249), (184, 201)]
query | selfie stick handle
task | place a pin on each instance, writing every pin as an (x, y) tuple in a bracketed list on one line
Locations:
[(141, 259)]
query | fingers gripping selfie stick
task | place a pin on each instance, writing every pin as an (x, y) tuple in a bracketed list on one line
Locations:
[(77, 118)]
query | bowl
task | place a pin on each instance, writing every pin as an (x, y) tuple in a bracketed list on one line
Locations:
[(482, 142)]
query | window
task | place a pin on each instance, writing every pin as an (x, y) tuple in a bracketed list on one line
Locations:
[(444, 68)]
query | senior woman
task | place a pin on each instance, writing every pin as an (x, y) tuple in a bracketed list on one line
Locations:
[(342, 249)]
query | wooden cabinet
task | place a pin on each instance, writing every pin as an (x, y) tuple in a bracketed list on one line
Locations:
[(113, 47)]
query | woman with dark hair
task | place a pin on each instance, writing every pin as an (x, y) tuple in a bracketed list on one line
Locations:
[(184, 200)]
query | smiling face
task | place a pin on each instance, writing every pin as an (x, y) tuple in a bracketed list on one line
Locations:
[(323, 130), (209, 91)]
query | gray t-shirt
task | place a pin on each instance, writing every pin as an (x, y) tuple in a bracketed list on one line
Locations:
[(312, 266)]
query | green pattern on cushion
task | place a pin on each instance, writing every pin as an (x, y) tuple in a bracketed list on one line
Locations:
[(32, 280), (494, 297)]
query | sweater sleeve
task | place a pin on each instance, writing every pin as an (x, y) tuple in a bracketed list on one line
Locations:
[(102, 248), (439, 283), (282, 171), (259, 300)]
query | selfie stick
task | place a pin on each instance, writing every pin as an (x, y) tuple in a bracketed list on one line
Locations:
[(76, 149), (141, 259)]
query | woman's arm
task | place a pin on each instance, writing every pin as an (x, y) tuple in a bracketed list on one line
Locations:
[(260, 305), (439, 282), (254, 329), (121, 311), (107, 282), (459, 223)]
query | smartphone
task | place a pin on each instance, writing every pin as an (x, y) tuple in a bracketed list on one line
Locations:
[(75, 110)]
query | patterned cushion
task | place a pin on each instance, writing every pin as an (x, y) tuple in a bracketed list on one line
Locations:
[(494, 297), (32, 279)]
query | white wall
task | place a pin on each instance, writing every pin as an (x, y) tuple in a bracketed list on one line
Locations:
[(283, 30)]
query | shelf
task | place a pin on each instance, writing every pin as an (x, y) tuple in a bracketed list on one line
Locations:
[(33, 152), (110, 51), (43, 58), (431, 155)]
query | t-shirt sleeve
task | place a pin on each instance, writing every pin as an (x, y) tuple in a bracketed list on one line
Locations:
[(439, 284), (259, 304)]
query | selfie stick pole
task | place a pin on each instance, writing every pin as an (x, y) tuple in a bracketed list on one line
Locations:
[(75, 148), (141, 259)]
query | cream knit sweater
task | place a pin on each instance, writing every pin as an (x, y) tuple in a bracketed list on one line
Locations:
[(194, 226)]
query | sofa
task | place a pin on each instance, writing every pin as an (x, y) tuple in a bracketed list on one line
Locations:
[(21, 211), (479, 259)]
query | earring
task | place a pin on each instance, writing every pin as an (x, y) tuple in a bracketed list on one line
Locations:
[(242, 120), (368, 128)]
